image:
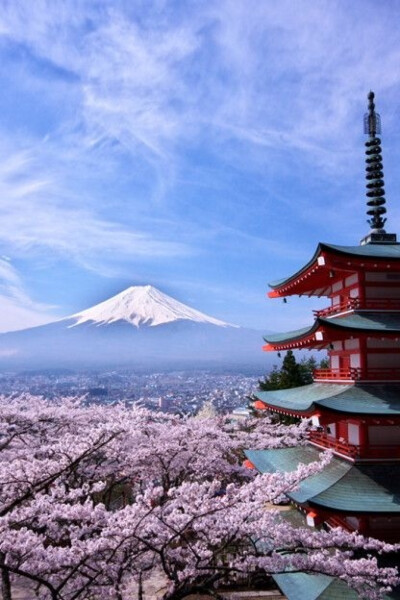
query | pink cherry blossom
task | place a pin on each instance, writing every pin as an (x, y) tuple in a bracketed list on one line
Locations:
[(95, 497)]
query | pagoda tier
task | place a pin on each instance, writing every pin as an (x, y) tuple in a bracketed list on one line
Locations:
[(362, 345), (330, 496), (357, 421), (335, 270), (324, 331), (366, 400)]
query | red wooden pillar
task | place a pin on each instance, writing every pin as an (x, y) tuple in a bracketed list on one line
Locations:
[(363, 433), (361, 288), (363, 524), (363, 357)]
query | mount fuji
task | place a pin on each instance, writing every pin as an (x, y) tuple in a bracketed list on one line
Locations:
[(142, 306), (139, 327)]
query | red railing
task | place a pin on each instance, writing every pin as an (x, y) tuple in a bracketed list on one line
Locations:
[(340, 446), (335, 521), (355, 303), (349, 304), (352, 374), (357, 374), (353, 450)]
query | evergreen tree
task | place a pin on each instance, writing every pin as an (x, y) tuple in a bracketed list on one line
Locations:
[(292, 374), (308, 366), (324, 364), (271, 381)]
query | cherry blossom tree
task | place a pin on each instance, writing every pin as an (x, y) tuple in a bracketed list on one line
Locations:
[(93, 498)]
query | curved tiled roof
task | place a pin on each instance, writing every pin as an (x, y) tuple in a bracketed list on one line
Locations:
[(378, 490), (287, 459), (297, 334), (377, 485), (363, 399), (305, 586), (378, 251), (365, 320), (356, 321)]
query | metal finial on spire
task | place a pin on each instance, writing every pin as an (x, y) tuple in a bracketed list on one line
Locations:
[(372, 120), (375, 191)]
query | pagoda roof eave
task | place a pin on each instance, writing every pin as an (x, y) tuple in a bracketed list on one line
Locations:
[(297, 334), (378, 491), (379, 252), (371, 399), (378, 485), (363, 322), (300, 399), (280, 282), (312, 586), (287, 460)]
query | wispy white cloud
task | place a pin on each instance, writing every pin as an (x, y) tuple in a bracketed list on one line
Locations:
[(39, 215), (153, 92), (18, 310), (152, 80)]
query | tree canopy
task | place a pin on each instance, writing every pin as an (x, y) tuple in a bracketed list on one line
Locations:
[(94, 498), (292, 373)]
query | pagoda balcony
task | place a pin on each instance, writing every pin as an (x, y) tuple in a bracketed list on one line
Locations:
[(347, 305), (337, 445), (356, 374), (390, 304), (377, 452)]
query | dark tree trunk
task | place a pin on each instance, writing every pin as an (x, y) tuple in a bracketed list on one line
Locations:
[(5, 580), (140, 587)]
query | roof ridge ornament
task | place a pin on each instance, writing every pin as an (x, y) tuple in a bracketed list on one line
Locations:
[(374, 173)]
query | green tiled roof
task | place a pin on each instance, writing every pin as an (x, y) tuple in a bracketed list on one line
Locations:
[(287, 459), (367, 399), (359, 321), (377, 485), (378, 490), (379, 251), (302, 398), (304, 586), (368, 250), (282, 459), (366, 321), (291, 335)]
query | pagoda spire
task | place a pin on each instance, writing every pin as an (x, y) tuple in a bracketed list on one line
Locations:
[(374, 174), (375, 192)]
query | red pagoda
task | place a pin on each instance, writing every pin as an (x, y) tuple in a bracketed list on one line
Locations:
[(355, 403)]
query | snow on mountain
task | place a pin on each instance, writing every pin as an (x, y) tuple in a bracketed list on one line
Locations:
[(142, 305), (139, 328)]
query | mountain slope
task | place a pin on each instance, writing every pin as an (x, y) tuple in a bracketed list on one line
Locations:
[(140, 327), (142, 306)]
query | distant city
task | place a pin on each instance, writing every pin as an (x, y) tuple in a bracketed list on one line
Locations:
[(182, 392)]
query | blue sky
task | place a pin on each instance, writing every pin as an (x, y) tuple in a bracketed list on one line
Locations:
[(202, 147)]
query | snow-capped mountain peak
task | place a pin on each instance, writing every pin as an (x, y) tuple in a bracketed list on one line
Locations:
[(142, 305)]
